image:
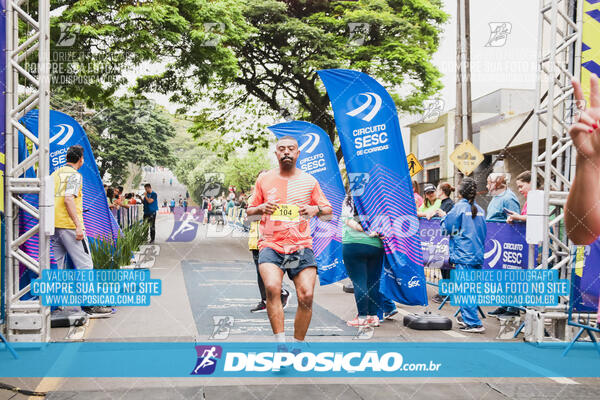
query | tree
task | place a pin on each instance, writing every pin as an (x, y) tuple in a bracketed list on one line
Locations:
[(241, 172), (221, 54), (132, 130)]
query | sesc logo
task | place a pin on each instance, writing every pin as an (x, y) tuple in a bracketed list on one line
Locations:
[(374, 109), (495, 253), (311, 142), (207, 359), (414, 282), (64, 129)]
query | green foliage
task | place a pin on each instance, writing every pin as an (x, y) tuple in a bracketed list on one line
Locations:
[(103, 253), (132, 130), (243, 59), (109, 254), (137, 180), (241, 172)]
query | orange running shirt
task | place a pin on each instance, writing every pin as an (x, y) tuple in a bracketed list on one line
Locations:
[(287, 236)]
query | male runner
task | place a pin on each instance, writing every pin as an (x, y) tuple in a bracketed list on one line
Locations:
[(288, 198)]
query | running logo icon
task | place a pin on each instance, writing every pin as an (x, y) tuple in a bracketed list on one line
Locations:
[(311, 143), (358, 181), (499, 32), (374, 109), (222, 327), (207, 359), (66, 130)]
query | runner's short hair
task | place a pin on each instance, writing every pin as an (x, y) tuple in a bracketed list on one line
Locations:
[(147, 185), (74, 154), (288, 137)]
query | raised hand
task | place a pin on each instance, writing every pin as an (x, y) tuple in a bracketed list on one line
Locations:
[(585, 132)]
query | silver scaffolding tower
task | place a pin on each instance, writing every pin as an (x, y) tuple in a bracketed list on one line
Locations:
[(553, 157), (27, 320)]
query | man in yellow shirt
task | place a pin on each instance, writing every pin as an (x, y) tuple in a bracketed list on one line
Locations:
[(69, 232)]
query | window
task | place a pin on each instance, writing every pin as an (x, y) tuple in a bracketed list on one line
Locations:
[(433, 176)]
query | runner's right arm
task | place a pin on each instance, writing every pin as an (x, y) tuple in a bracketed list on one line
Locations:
[(258, 206)]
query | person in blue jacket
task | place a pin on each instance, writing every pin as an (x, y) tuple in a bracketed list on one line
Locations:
[(503, 199), (465, 224)]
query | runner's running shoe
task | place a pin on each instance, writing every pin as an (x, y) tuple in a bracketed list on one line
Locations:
[(260, 307), (285, 297)]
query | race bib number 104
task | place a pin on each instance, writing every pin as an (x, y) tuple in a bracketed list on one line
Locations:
[(286, 212)]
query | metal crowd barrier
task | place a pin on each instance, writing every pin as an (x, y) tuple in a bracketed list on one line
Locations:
[(127, 216), (237, 218)]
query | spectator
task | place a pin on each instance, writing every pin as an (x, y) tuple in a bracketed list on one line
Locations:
[(120, 197), (363, 258), (431, 203), (443, 193), (418, 198), (466, 226), (523, 186), (132, 199), (444, 190), (223, 205), (150, 209), (503, 202), (110, 195), (69, 234), (185, 204), (230, 205), (503, 198), (243, 202), (172, 206), (217, 209)]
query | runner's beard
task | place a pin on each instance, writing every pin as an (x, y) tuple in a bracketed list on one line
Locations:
[(286, 164)]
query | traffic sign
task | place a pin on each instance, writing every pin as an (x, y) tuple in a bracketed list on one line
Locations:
[(466, 157), (414, 166)]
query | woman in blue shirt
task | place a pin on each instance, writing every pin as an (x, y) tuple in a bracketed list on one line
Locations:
[(465, 224)]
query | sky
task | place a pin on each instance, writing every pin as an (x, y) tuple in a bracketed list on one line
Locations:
[(512, 65)]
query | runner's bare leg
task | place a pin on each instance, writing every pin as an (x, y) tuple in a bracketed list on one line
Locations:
[(305, 286), (272, 277)]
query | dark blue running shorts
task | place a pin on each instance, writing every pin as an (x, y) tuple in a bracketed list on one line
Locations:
[(293, 263)]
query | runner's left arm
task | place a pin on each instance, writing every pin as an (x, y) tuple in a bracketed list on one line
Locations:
[(319, 205)]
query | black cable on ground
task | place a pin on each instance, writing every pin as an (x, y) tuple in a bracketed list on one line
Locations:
[(21, 391)]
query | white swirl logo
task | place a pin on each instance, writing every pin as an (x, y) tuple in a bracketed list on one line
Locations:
[(66, 130), (311, 143), (370, 97), (495, 253), (414, 281)]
